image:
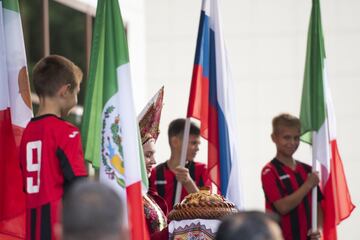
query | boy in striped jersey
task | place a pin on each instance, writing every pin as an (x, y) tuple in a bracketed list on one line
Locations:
[(164, 177), (51, 155), (287, 183)]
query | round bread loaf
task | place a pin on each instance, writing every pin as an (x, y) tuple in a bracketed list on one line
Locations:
[(202, 204)]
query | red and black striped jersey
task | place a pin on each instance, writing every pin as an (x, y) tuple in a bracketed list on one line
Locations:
[(279, 181), (163, 180), (51, 157)]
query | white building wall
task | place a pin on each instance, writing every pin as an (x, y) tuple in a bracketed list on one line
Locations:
[(133, 14), (266, 42)]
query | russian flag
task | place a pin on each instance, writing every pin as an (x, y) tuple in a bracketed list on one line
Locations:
[(212, 102)]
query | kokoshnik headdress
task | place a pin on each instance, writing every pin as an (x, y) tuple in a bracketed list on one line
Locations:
[(149, 118)]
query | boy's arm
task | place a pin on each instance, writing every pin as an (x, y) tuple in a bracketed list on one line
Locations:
[(288, 203), (190, 186)]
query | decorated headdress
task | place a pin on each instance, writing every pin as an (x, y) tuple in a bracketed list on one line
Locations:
[(149, 118)]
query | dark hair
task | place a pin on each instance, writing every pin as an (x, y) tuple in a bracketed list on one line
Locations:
[(53, 72), (176, 128), (285, 120), (91, 211), (250, 225)]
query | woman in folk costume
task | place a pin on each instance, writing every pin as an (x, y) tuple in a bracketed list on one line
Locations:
[(155, 207)]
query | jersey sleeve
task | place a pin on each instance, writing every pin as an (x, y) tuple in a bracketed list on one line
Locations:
[(152, 180), (71, 155), (272, 188)]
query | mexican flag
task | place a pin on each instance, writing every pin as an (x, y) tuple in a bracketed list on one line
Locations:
[(318, 128), (110, 129), (15, 112)]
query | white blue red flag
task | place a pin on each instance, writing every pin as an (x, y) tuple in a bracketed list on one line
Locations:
[(212, 102)]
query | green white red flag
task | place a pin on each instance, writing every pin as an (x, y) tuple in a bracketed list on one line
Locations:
[(15, 112), (110, 129), (318, 128)]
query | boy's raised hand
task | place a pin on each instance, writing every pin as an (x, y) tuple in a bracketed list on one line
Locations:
[(182, 174), (312, 179)]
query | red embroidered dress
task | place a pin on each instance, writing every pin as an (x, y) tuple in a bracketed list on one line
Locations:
[(155, 217)]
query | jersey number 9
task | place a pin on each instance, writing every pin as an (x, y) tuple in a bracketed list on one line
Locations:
[(33, 166)]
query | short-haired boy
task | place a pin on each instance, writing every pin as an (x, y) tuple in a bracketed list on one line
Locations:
[(51, 154), (164, 176), (287, 183)]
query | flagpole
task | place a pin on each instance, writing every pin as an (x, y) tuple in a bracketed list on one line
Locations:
[(314, 190), (184, 147)]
